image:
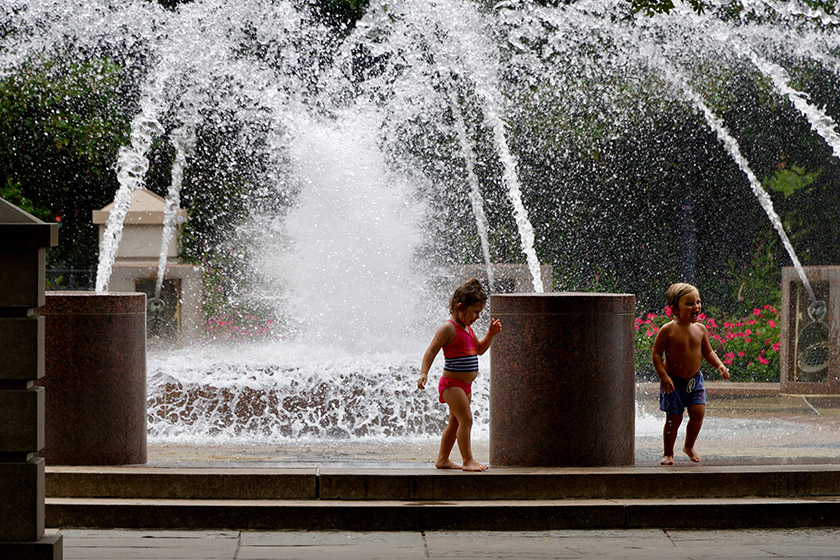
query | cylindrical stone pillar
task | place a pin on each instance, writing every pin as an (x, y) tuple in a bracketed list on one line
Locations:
[(95, 378), (562, 380)]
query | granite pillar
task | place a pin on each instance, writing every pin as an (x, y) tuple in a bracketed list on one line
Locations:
[(810, 343), (23, 243), (562, 381), (95, 377)]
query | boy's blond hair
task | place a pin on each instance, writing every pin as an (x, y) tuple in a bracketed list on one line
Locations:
[(676, 291)]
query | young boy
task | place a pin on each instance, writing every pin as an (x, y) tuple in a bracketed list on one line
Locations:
[(684, 343)]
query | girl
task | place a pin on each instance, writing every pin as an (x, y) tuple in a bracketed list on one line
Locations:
[(684, 343), (461, 349)]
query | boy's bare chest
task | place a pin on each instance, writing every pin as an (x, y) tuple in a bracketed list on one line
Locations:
[(685, 340)]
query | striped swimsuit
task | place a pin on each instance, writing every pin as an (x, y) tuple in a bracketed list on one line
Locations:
[(461, 354)]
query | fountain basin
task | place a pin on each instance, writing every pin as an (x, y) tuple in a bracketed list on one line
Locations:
[(95, 378), (562, 388)]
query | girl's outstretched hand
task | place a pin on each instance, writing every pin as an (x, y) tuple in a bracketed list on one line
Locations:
[(421, 383), (495, 327)]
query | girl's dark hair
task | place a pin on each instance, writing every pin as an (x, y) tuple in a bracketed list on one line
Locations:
[(468, 293)]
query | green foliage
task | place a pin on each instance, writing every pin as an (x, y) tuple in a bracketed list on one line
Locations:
[(759, 280), (342, 13), (789, 181), (61, 124), (11, 192), (653, 7)]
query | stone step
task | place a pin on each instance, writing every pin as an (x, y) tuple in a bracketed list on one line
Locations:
[(489, 515), (429, 485)]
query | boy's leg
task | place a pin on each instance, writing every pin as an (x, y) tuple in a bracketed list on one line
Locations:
[(669, 437), (696, 413), (447, 442), (459, 406)]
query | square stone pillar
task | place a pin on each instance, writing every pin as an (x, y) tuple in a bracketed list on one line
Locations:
[(23, 243)]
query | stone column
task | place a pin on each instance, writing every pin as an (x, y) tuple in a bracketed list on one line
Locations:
[(95, 348), (23, 243), (562, 381)]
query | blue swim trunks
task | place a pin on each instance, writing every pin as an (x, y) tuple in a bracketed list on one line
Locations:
[(687, 392)]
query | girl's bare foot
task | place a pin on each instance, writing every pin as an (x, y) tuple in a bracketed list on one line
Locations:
[(447, 464), (695, 458), (474, 466), (667, 460)]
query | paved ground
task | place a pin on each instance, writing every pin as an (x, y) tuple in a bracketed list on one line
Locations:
[(643, 544), (739, 431)]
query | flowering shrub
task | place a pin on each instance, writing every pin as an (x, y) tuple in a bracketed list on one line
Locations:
[(238, 326), (748, 346)]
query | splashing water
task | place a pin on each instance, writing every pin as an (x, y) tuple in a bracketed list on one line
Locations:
[(131, 171), (347, 264), (184, 141), (735, 151), (823, 124), (475, 189)]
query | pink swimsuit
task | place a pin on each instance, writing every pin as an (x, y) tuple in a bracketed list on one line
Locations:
[(446, 382), (459, 355)]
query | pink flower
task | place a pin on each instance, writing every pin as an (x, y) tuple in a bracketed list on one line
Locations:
[(748, 332), (651, 316), (649, 333), (751, 322), (741, 354), (776, 346), (668, 311), (771, 323), (763, 360), (757, 312), (747, 340)]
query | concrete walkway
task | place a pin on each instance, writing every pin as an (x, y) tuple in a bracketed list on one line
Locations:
[(642, 543)]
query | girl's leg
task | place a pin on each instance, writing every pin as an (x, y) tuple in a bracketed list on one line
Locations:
[(459, 406), (447, 442), (669, 437), (696, 413)]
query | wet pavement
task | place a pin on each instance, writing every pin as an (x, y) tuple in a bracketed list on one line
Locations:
[(744, 425), (590, 544)]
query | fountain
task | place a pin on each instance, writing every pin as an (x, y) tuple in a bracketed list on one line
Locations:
[(430, 137)]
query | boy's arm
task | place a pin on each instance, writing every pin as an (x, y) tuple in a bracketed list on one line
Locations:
[(482, 345), (659, 345), (711, 357)]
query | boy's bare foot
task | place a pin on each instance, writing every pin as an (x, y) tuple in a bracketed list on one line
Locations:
[(695, 458), (667, 460), (447, 464), (474, 466)]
